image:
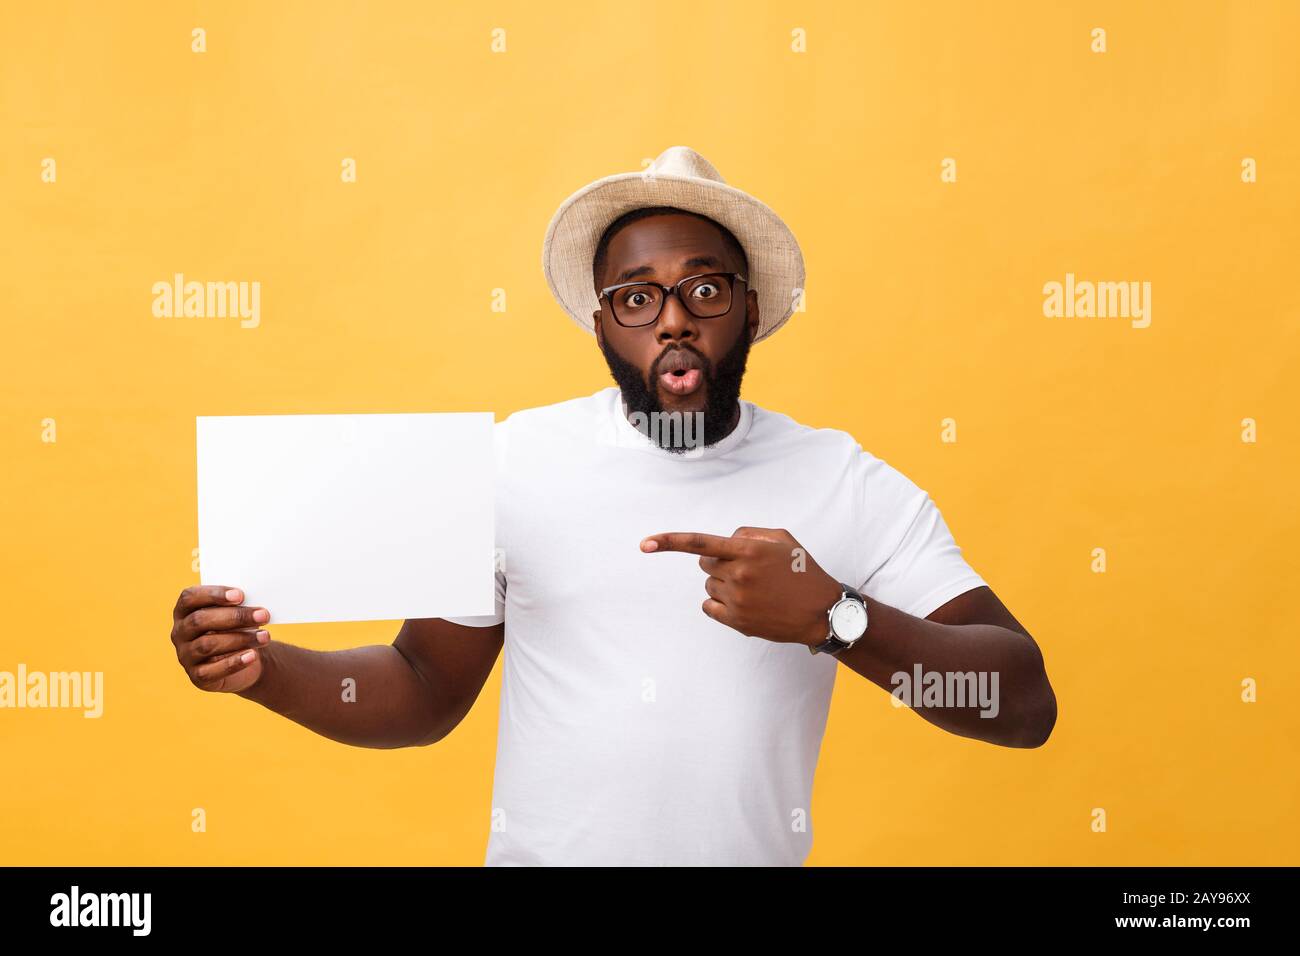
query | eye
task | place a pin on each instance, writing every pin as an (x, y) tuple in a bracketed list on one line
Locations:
[(705, 290)]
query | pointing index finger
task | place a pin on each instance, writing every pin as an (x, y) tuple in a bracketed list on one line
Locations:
[(691, 542)]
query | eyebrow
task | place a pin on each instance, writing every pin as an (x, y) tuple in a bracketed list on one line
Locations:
[(627, 275)]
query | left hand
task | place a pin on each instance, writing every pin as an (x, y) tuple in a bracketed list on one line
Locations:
[(761, 582)]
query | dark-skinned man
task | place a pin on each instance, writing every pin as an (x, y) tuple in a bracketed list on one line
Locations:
[(684, 572)]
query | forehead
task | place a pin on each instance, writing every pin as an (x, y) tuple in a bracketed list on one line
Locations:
[(663, 242)]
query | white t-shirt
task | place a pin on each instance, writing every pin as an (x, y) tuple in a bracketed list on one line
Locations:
[(634, 729)]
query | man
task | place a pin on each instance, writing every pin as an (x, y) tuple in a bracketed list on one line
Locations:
[(684, 572)]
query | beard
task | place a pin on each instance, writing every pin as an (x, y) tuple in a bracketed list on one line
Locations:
[(721, 389)]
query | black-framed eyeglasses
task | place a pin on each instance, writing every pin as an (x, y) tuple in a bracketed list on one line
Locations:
[(705, 296)]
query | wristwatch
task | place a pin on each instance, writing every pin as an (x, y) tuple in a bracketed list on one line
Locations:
[(848, 622)]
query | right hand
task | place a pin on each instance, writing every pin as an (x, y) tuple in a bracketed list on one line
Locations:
[(208, 631)]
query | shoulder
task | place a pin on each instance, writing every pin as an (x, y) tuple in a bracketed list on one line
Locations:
[(784, 434), (832, 447), (544, 429), (560, 411), (557, 414)]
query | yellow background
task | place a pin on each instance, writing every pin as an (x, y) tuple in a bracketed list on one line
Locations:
[(924, 302)]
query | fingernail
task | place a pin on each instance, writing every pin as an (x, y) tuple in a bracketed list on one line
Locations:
[(247, 657), (263, 637), (261, 615), (234, 596), (649, 545)]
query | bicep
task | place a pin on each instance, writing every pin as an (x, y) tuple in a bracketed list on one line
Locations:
[(977, 606)]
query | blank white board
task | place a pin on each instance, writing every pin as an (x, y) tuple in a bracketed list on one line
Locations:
[(370, 517)]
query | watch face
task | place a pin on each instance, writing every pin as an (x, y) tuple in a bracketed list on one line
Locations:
[(849, 620)]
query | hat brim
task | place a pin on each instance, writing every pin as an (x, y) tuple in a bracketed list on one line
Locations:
[(776, 268)]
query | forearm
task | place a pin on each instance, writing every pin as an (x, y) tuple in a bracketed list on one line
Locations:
[(386, 704), (1006, 665)]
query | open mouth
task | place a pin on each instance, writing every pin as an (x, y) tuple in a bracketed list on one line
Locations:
[(680, 372), (682, 382)]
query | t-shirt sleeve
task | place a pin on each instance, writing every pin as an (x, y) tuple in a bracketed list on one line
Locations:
[(487, 620), (500, 434), (911, 561)]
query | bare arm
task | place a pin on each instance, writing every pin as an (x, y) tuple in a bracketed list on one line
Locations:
[(755, 588), (972, 633), (407, 694)]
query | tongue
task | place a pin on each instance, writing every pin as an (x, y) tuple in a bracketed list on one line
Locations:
[(686, 382)]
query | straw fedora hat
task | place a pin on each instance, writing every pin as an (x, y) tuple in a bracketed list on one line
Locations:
[(679, 177)]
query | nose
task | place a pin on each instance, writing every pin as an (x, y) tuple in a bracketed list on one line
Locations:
[(675, 324)]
